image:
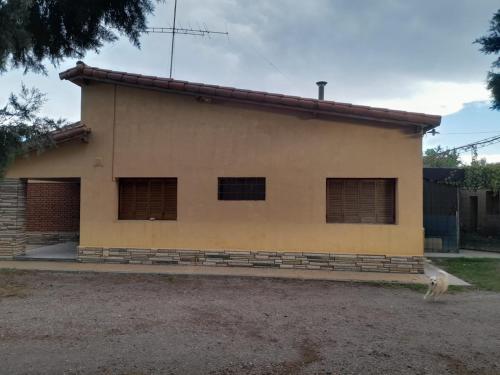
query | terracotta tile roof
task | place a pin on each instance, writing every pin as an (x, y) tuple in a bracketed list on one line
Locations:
[(81, 73), (75, 131), (71, 132)]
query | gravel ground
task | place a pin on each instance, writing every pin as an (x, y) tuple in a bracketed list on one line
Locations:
[(71, 323)]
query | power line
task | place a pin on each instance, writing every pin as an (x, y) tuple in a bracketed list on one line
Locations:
[(483, 132), (473, 146), (249, 48)]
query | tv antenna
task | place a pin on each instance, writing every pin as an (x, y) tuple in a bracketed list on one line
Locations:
[(183, 31)]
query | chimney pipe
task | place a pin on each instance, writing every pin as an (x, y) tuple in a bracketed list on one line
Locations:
[(321, 89)]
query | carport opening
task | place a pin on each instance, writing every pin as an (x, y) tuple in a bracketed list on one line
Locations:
[(52, 218)]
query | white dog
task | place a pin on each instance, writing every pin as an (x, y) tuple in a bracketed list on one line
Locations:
[(438, 285)]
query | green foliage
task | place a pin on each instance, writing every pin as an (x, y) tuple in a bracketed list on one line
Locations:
[(481, 175), (437, 157), (34, 30), (21, 128), (490, 44), (478, 175), (493, 85), (482, 273)]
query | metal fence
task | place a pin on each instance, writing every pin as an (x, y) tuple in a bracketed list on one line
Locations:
[(441, 217)]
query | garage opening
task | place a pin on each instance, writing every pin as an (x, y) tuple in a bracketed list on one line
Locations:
[(52, 219)]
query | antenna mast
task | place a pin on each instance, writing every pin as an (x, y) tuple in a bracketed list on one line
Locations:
[(173, 40), (179, 30)]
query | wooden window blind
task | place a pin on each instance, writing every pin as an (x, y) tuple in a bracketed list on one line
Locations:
[(242, 188), (360, 200), (147, 199), (492, 203)]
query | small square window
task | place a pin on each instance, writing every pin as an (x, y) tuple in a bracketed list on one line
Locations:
[(242, 189)]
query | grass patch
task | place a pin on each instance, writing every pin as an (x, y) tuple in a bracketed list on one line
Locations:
[(169, 278), (11, 289), (393, 285), (482, 273), (420, 288), (9, 271)]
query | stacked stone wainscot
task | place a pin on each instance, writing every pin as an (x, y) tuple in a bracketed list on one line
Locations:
[(228, 258), (12, 217)]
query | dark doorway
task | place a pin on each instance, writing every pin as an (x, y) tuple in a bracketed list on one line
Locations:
[(52, 219), (473, 213)]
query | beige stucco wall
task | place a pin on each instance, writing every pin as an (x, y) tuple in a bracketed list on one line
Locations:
[(154, 134)]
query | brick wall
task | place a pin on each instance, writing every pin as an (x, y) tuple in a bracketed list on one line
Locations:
[(53, 207)]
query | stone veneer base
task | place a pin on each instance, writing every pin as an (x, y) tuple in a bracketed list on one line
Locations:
[(228, 258), (12, 217)]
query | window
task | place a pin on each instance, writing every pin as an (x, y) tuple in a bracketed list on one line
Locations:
[(359, 200), (242, 188), (147, 199), (492, 203)]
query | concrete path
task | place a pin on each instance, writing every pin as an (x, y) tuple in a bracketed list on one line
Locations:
[(216, 271), (225, 271), (464, 254), (60, 251), (432, 270)]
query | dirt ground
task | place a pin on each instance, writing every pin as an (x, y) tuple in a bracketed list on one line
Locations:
[(70, 323)]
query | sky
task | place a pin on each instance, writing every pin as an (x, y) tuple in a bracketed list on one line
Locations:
[(408, 55)]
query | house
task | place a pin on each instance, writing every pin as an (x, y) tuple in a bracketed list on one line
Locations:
[(480, 219), (442, 209), (456, 217), (480, 211), (186, 173)]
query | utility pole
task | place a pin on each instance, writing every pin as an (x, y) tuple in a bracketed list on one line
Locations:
[(179, 30)]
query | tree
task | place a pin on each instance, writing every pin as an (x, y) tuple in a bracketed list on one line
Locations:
[(21, 128), (439, 158), (481, 175), (490, 44), (34, 30)]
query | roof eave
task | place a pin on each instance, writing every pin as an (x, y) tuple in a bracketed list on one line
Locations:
[(339, 110), (75, 132)]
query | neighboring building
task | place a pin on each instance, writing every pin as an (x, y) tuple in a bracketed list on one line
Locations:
[(442, 208), (480, 220), (179, 172), (480, 212)]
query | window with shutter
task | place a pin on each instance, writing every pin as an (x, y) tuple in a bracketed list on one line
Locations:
[(147, 199), (361, 200)]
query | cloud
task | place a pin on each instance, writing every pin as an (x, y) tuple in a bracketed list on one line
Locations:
[(402, 54), (441, 98)]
